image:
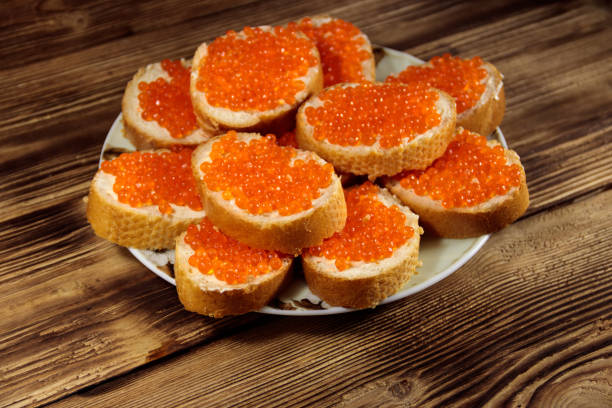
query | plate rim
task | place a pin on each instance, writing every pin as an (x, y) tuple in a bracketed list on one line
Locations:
[(453, 267)]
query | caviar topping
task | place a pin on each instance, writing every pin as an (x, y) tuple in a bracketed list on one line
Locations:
[(462, 79), (341, 47), (256, 69), (263, 177), (161, 179), (372, 231), (225, 258), (368, 113), (169, 103), (287, 139), (469, 173)]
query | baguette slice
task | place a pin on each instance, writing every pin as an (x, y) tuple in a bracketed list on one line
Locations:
[(149, 134), (270, 230), (487, 113), (346, 52), (375, 160), (465, 222), (275, 120), (143, 227), (205, 294), (365, 284)]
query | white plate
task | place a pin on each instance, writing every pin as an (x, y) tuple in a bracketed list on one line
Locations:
[(440, 257)]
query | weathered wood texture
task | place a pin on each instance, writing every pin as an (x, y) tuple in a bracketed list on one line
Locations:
[(79, 310), (508, 329)]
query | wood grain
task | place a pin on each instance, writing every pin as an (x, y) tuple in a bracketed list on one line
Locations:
[(43, 29), (79, 311), (500, 332), (565, 136)]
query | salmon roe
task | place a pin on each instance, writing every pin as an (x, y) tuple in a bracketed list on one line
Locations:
[(462, 79), (372, 231), (287, 139), (469, 173), (368, 112), (341, 47), (256, 69), (263, 177), (225, 258), (169, 103), (161, 179)]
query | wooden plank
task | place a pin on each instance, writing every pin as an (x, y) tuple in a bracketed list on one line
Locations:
[(85, 311), (533, 308), (37, 30)]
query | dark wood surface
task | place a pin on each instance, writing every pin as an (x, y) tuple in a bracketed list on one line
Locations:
[(526, 322)]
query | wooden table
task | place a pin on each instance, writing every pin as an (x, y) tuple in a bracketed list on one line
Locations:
[(524, 323)]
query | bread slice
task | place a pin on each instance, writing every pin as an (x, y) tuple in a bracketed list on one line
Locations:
[(374, 160), (205, 294), (143, 228), (276, 120), (149, 134), (337, 51), (272, 231), (466, 222), (365, 284), (488, 113)]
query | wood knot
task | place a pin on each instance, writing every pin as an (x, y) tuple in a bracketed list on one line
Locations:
[(401, 390), (404, 391)]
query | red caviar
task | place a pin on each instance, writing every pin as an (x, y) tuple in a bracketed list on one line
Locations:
[(341, 47), (368, 112), (225, 258), (372, 231), (263, 177), (469, 173), (287, 139), (169, 103), (462, 79), (161, 179), (256, 69)]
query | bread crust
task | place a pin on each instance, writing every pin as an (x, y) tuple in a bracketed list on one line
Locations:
[(287, 234), (375, 161), (209, 296), (488, 113), (149, 134), (142, 228), (467, 222), (276, 120), (366, 284)]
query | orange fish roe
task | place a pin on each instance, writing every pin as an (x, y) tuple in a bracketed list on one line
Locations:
[(287, 139), (368, 112), (256, 69), (263, 177), (462, 79), (226, 258), (469, 173), (341, 49), (372, 231), (169, 103), (160, 179)]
